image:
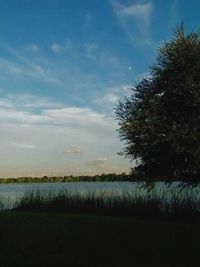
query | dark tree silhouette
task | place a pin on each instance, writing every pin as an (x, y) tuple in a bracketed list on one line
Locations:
[(160, 121)]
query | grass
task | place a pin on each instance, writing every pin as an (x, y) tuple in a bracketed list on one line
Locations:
[(63, 229), (87, 203), (44, 239), (180, 204)]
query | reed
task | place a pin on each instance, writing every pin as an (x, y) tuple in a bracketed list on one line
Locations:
[(168, 203)]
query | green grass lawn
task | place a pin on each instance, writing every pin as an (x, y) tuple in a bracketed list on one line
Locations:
[(32, 239)]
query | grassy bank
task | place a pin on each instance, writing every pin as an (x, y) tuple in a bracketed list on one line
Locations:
[(176, 205), (32, 239)]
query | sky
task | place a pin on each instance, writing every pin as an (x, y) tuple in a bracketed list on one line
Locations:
[(64, 65)]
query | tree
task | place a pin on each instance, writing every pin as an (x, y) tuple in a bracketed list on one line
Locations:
[(160, 121)]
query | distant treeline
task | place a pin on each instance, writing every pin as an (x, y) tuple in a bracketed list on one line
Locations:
[(71, 178)]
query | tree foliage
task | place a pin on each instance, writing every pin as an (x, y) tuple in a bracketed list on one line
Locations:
[(160, 121)]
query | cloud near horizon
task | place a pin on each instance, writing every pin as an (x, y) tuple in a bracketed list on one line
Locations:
[(40, 135)]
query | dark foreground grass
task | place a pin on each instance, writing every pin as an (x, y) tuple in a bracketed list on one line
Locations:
[(38, 239), (181, 206)]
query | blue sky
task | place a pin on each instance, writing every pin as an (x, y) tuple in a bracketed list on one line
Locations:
[(64, 64)]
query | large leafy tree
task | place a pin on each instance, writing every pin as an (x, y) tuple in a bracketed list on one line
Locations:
[(160, 121)]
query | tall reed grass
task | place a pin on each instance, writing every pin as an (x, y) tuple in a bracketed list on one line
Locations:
[(182, 203)]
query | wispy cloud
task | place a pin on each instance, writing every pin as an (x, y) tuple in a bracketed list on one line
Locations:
[(22, 67), (25, 146), (33, 48), (74, 151), (60, 48), (56, 48), (100, 162), (135, 19), (100, 55), (68, 65), (27, 101), (90, 49), (103, 165), (88, 19), (69, 116), (112, 95), (137, 10), (111, 98), (174, 16)]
